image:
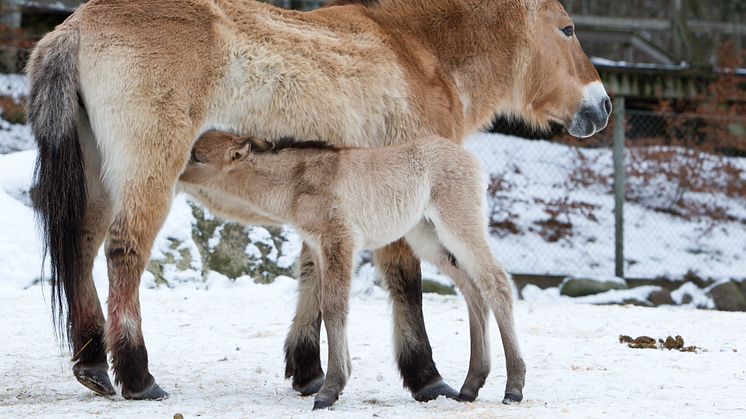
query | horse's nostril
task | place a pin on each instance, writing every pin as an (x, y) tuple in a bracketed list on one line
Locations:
[(607, 106)]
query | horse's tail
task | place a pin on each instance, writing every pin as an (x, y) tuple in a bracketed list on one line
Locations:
[(59, 178)]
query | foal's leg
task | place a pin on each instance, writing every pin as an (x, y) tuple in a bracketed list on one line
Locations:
[(143, 162), (302, 351), (467, 241), (336, 261), (426, 244), (401, 272), (86, 317)]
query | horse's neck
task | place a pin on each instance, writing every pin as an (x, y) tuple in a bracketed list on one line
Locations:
[(477, 54)]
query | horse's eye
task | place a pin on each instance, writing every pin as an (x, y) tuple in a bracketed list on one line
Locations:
[(569, 31)]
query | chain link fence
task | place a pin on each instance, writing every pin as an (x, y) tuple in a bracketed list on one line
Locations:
[(551, 203)]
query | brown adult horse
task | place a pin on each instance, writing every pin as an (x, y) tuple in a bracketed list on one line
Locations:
[(121, 90)]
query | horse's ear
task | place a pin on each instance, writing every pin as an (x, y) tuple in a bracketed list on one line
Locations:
[(262, 146), (240, 151)]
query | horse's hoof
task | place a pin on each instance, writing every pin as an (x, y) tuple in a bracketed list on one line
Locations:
[(433, 391), (467, 396), (511, 398), (309, 388), (94, 378), (154, 392), (322, 404)]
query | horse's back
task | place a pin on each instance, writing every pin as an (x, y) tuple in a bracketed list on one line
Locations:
[(326, 75)]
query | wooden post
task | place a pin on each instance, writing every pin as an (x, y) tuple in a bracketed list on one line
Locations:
[(619, 186)]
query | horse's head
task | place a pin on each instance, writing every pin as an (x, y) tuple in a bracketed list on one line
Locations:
[(560, 84)]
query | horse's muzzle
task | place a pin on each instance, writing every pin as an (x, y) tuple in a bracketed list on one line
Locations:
[(594, 112)]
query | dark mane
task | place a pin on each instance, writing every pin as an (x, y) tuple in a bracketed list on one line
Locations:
[(366, 3), (289, 143)]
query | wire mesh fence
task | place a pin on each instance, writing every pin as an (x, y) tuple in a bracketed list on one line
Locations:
[(551, 203)]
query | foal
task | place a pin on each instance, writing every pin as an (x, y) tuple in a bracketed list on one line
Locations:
[(341, 200)]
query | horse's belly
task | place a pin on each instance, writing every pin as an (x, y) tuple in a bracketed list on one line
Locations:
[(383, 219)]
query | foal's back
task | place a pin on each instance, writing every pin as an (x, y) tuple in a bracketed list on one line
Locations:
[(386, 191)]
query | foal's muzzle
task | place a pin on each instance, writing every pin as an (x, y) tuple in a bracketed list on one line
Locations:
[(594, 112)]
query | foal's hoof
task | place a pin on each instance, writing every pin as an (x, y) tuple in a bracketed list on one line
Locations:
[(434, 390), (309, 388), (322, 404), (153, 392), (511, 398), (95, 378)]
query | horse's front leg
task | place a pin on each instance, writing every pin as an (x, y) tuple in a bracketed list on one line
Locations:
[(336, 263), (302, 350)]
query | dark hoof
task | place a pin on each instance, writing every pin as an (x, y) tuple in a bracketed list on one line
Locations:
[(309, 388), (96, 378), (511, 398), (467, 396), (322, 404), (433, 391), (154, 392)]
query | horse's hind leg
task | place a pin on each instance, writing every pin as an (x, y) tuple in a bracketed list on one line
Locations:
[(426, 244), (143, 164), (467, 241), (86, 317), (401, 272), (302, 350)]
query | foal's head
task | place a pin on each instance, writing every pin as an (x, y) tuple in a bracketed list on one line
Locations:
[(217, 152)]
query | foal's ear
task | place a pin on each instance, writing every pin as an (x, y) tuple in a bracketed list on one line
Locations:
[(240, 151)]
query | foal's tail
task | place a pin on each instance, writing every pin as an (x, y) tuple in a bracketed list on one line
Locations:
[(59, 178)]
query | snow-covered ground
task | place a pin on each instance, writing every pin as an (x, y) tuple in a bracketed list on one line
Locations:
[(219, 354)]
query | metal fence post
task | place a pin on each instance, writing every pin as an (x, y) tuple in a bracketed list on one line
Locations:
[(619, 186)]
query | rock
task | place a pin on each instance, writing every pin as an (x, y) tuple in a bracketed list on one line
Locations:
[(636, 302), (661, 297), (235, 250), (742, 285), (580, 287), (727, 296), (436, 288), (690, 294), (687, 299)]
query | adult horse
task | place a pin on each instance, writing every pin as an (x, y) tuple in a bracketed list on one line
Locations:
[(122, 89)]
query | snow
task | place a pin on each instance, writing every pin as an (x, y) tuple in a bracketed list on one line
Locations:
[(219, 354), (14, 137), (539, 175), (20, 251), (13, 85)]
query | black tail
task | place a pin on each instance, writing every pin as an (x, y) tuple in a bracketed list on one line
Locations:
[(59, 178)]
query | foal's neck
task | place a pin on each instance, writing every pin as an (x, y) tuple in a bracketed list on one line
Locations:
[(272, 182)]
